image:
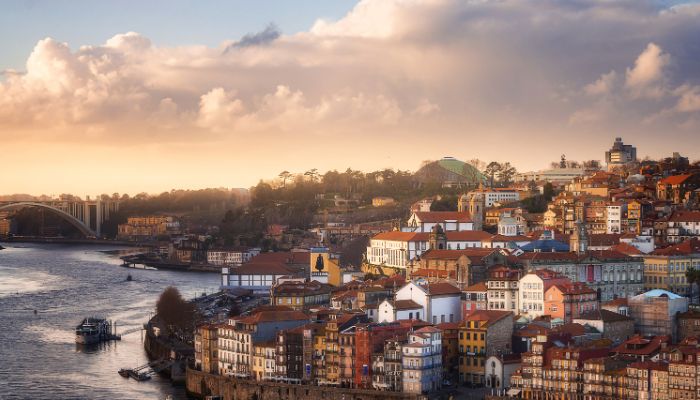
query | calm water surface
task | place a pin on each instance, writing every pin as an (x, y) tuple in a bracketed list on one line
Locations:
[(38, 356)]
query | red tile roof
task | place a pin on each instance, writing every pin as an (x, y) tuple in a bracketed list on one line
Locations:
[(572, 288), (688, 246), (261, 268), (435, 254), (685, 216), (477, 287), (432, 273), (442, 288), (503, 238), (488, 316), (603, 239), (405, 305), (626, 248), (675, 179), (270, 316)]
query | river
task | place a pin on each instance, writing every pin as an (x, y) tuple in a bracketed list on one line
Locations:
[(38, 355)]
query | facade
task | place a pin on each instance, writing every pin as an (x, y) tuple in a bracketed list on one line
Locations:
[(475, 298), (254, 275), (206, 349), (654, 312), (422, 361), (440, 302), (146, 228), (300, 295), (230, 257), (613, 326), (481, 335), (620, 154), (499, 369), (532, 288), (496, 196), (666, 268), (567, 301), (449, 221), (610, 273), (502, 288)]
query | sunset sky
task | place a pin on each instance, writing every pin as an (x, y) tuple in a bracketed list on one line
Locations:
[(132, 96)]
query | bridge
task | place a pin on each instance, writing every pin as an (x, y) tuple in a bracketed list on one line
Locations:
[(86, 215)]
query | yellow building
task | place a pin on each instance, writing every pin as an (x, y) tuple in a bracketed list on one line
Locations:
[(481, 335), (263, 360), (144, 227), (666, 268), (382, 201), (300, 295), (325, 268)]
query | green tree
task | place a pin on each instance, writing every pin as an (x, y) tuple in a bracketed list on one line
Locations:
[(506, 173), (492, 169)]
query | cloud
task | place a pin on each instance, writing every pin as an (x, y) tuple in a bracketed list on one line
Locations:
[(645, 79), (266, 36), (603, 85), (387, 75)]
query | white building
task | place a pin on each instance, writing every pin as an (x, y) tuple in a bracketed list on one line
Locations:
[(614, 215), (448, 220), (421, 360), (440, 302), (397, 249), (496, 196), (511, 226), (230, 257), (531, 289), (499, 369), (554, 175), (256, 276), (502, 289), (393, 310)]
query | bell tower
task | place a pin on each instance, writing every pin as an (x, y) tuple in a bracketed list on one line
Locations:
[(438, 239)]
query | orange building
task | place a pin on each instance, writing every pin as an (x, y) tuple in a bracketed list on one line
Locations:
[(569, 300)]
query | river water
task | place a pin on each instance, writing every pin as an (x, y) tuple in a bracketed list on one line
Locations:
[(38, 355)]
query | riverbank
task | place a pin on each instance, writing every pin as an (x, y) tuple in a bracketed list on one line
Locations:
[(100, 242)]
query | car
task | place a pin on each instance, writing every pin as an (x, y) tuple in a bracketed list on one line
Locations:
[(446, 383)]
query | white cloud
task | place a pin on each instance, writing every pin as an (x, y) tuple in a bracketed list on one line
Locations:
[(645, 79), (604, 85)]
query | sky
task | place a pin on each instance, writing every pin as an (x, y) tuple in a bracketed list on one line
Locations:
[(129, 97)]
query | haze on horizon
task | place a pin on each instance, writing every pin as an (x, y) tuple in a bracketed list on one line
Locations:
[(367, 85)]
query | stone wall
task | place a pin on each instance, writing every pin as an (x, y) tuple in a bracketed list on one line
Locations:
[(200, 384)]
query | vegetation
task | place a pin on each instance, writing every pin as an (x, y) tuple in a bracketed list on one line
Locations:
[(174, 311)]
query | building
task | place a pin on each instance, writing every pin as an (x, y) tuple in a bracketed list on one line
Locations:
[(450, 172), (383, 201), (422, 361), (147, 228), (264, 360), (493, 196), (569, 300), (610, 273), (620, 154), (613, 326), (481, 335), (676, 188), (370, 340), (460, 267), (475, 298), (235, 339), (438, 302), (206, 349), (230, 256), (666, 268), (654, 312), (683, 225), (532, 288), (256, 276), (394, 251), (688, 324), (449, 221), (502, 288), (499, 369), (300, 295)]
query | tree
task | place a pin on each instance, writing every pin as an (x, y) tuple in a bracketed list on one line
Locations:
[(173, 310), (284, 175), (692, 275), (507, 173), (491, 170), (548, 191), (312, 174), (593, 165)]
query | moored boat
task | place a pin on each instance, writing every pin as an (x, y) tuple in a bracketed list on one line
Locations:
[(93, 330)]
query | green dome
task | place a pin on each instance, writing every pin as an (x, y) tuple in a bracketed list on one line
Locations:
[(451, 172)]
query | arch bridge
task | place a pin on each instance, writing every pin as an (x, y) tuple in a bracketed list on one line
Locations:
[(86, 215)]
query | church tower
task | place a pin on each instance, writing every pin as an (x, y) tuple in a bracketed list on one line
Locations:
[(477, 203), (578, 241), (438, 239)]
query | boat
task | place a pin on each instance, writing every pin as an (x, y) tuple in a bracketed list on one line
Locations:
[(139, 376), (93, 330), (123, 372), (129, 278)]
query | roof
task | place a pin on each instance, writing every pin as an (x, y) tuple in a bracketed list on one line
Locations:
[(273, 315), (299, 288), (626, 248), (545, 245), (675, 179), (572, 288), (685, 216), (261, 268), (477, 287), (686, 247), (433, 273), (620, 301), (660, 293), (287, 257), (488, 316), (442, 288), (503, 238), (441, 216), (572, 328), (603, 239), (405, 304), (428, 329), (603, 315), (435, 254)]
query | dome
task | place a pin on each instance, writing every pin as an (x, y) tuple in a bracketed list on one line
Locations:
[(450, 172)]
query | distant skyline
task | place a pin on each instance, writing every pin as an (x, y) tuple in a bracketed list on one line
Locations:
[(132, 97)]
